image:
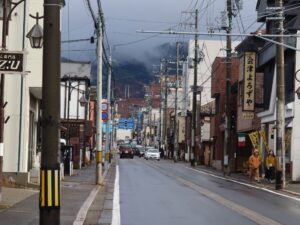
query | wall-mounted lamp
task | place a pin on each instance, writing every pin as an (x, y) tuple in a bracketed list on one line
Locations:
[(83, 102), (35, 35)]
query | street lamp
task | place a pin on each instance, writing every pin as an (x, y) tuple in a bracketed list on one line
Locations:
[(35, 35), (83, 102)]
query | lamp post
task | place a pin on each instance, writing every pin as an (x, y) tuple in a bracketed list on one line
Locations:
[(84, 103)]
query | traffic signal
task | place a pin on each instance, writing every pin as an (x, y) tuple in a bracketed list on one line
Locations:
[(126, 124)]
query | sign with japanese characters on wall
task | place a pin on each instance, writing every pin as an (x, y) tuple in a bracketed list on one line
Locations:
[(249, 81)]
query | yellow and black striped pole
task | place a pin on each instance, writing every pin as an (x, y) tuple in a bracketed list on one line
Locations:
[(50, 188), (50, 163)]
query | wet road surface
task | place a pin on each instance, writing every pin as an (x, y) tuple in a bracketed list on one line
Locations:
[(165, 193)]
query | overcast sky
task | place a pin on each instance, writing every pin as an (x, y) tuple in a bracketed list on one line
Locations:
[(124, 17)]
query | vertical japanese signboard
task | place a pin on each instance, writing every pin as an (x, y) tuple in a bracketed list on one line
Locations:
[(249, 81)]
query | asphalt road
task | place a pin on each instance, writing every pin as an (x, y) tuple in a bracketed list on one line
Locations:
[(164, 193)]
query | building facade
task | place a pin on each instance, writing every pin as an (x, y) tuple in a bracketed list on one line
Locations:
[(22, 140)]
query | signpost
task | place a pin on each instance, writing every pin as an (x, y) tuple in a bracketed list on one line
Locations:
[(104, 116), (11, 62)]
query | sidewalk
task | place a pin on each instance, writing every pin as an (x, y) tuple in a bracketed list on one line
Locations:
[(100, 212), (20, 206), (291, 188)]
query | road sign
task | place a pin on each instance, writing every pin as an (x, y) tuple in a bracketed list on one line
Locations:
[(104, 116), (104, 106), (11, 62)]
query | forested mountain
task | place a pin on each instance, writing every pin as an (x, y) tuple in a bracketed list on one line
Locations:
[(137, 73)]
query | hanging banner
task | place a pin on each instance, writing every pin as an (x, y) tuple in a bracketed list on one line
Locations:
[(254, 137), (288, 138), (249, 81), (263, 137), (242, 140)]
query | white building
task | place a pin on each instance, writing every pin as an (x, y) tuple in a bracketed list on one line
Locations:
[(208, 51), (23, 96)]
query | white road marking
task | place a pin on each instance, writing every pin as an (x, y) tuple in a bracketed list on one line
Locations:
[(116, 216), (81, 215), (246, 184), (248, 213)]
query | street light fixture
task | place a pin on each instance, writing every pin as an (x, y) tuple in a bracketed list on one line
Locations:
[(83, 102), (35, 35)]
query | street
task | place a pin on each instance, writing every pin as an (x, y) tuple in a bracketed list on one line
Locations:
[(165, 193)]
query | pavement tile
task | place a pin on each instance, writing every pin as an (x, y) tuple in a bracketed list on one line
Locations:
[(106, 217)]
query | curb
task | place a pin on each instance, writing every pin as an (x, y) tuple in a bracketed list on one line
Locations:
[(243, 180)]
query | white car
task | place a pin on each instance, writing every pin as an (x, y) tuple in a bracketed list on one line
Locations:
[(152, 153)]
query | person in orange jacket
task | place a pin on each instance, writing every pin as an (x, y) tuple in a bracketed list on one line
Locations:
[(270, 166), (254, 163)]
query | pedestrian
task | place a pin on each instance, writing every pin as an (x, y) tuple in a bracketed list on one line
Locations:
[(270, 166), (161, 151), (254, 163)]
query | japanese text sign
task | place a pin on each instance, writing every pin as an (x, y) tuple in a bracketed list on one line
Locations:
[(249, 81)]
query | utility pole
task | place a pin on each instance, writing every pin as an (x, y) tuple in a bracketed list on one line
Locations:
[(107, 134), (227, 138), (160, 106), (50, 167), (176, 99), (99, 158), (280, 112), (194, 114), (165, 111)]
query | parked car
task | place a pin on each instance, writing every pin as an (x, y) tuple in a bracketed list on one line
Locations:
[(152, 153), (146, 149), (126, 151)]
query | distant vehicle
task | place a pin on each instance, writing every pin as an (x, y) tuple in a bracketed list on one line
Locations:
[(141, 150), (133, 143), (146, 149), (126, 151), (124, 134), (120, 142), (152, 153), (136, 151)]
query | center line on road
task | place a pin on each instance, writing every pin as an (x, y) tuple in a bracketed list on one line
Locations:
[(248, 213)]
